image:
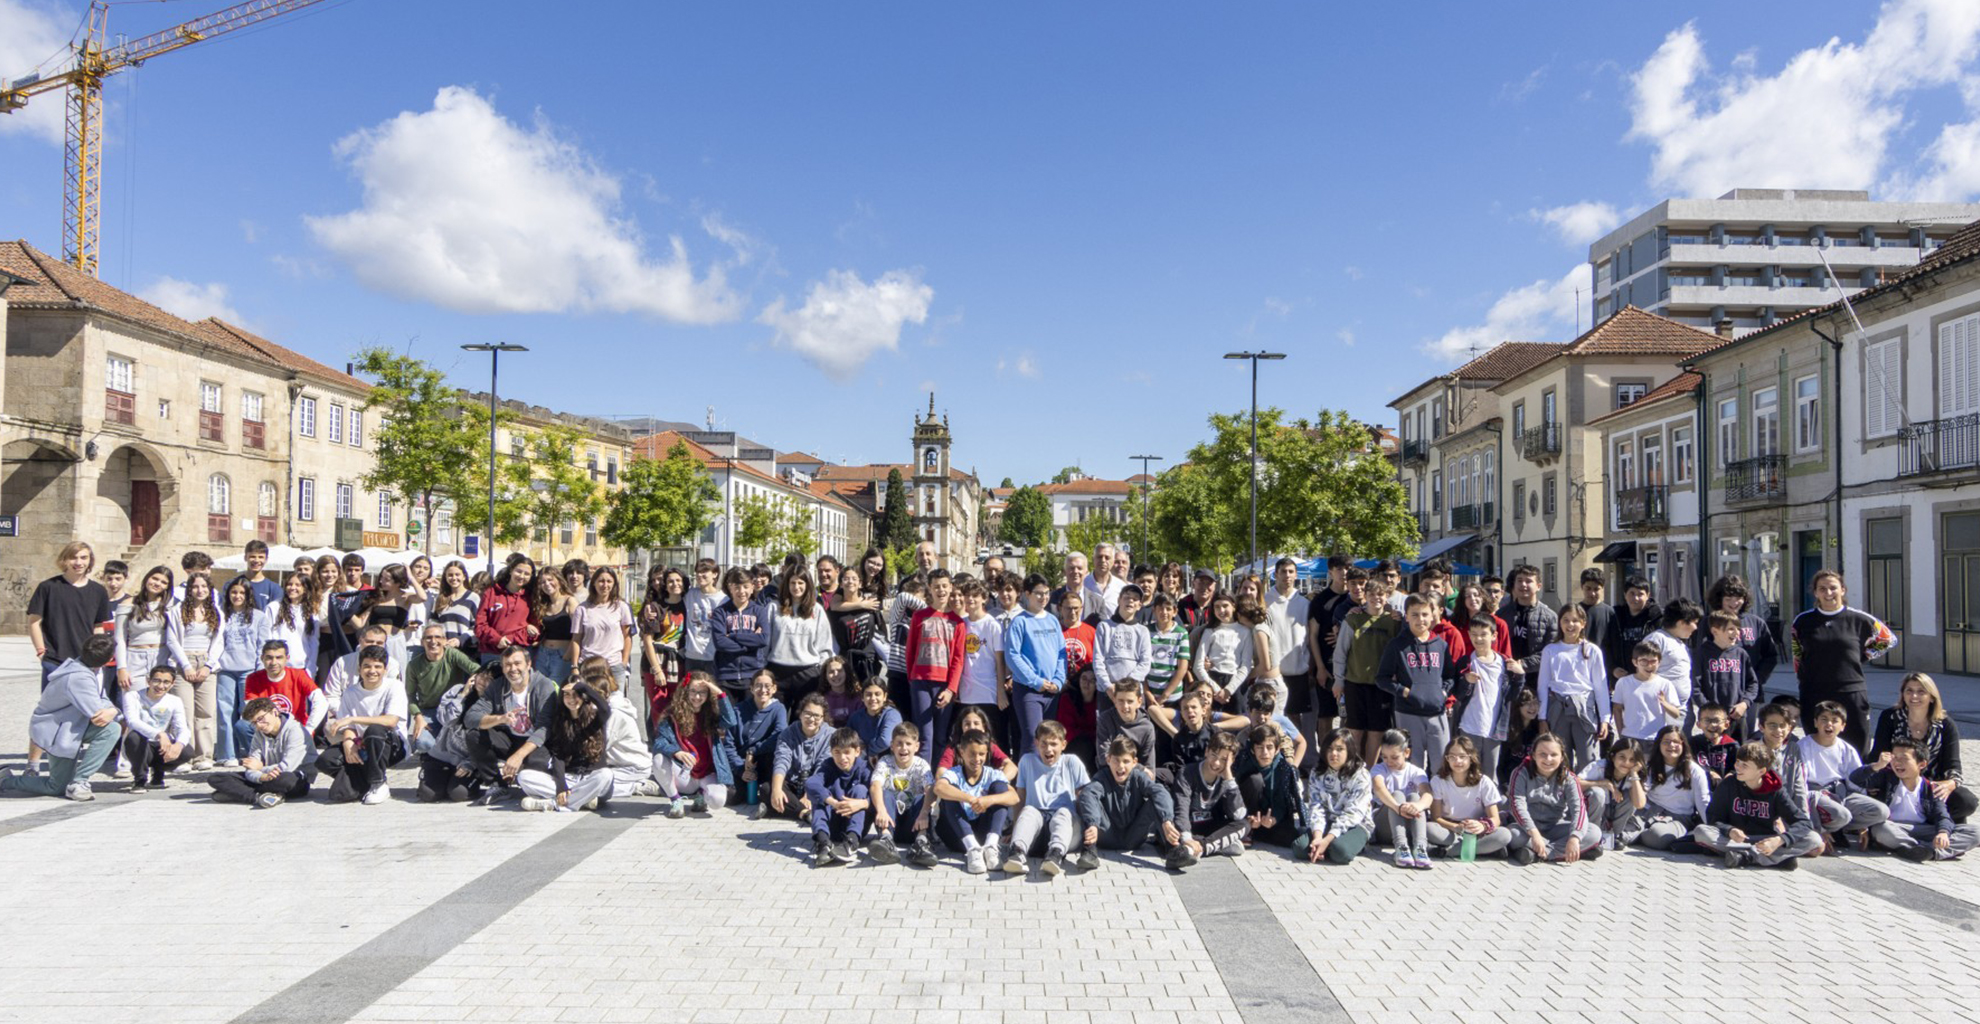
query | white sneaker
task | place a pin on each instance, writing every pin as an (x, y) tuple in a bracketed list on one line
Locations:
[(378, 795), (229, 763), (121, 772), (79, 792), (647, 787), (973, 861), (757, 812), (202, 764), (591, 804), (537, 803), (184, 769)]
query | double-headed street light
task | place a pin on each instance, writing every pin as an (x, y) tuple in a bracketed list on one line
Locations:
[(1254, 357), (494, 364), (1142, 553)]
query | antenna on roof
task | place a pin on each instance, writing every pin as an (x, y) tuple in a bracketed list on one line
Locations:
[(1577, 312), (711, 419)]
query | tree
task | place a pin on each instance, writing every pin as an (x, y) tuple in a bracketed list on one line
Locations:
[(1027, 520), (1090, 534), (664, 503), (897, 521), (1007, 483), (560, 491), (512, 483), (1321, 489), (425, 446), (1065, 475), (776, 525)]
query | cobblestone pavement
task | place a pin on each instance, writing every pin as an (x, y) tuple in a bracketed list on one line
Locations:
[(166, 906)]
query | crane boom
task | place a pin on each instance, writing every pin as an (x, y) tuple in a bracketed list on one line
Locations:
[(83, 134)]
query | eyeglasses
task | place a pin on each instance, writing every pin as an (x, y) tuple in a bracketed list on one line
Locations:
[(814, 717)]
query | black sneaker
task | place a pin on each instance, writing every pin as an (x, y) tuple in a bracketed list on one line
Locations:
[(1734, 859), (845, 851), (1789, 864), (1440, 853), (1592, 852), (821, 853), (1179, 857), (1054, 862), (1089, 859), (883, 850), (1917, 854), (923, 853), (1521, 855)]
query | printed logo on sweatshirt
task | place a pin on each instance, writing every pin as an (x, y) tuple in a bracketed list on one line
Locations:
[(1729, 666), (1746, 634), (1423, 659), (1752, 807)]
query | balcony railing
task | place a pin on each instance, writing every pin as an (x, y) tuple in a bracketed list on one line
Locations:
[(1643, 508), (1472, 517), (1756, 479), (1423, 521), (1541, 442), (1936, 446), (1415, 451)]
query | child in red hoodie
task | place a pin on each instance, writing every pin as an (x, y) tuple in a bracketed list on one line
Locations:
[(1751, 820), (935, 655)]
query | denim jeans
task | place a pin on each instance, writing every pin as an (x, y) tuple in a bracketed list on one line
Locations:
[(232, 688), (551, 662)]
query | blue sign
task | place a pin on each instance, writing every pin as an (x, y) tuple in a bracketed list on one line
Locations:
[(471, 545)]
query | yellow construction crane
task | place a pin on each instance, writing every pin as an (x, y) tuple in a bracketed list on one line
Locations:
[(95, 60)]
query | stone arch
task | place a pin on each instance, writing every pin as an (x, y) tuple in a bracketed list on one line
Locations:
[(136, 495)]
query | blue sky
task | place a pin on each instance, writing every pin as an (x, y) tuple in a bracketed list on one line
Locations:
[(1057, 218)]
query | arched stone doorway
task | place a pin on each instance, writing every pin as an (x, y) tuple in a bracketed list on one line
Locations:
[(37, 485), (136, 497)]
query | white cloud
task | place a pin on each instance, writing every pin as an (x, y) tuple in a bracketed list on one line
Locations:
[(844, 320), (1579, 223), (1022, 364), (464, 208), (1346, 336), (34, 36), (1824, 120), (1539, 311), (190, 301), (1353, 272)]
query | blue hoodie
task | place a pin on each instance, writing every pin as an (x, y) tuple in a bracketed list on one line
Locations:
[(1035, 651), (740, 638), (759, 731)]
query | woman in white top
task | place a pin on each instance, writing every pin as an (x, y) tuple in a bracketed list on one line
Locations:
[(199, 634), (800, 638), (150, 632), (603, 624), (237, 654), (293, 620), (1264, 659), (1224, 649)]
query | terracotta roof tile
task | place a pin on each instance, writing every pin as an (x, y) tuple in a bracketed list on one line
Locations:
[(53, 284), (1636, 332), (1506, 359), (1086, 487), (219, 329), (1683, 384)]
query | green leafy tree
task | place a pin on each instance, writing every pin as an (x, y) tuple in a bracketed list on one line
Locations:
[(1088, 535), (775, 525), (425, 447), (897, 520), (512, 486), (1007, 483), (901, 563), (560, 490), (1027, 519), (664, 502), (1321, 489)]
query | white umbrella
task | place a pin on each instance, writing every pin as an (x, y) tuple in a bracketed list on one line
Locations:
[(280, 558)]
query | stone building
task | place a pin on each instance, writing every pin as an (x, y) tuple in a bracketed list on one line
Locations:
[(948, 502)]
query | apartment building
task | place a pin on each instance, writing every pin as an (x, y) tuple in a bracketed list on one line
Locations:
[(1652, 492), (1754, 256), (1554, 472), (744, 473)]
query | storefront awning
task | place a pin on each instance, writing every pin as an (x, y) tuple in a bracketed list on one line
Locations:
[(1620, 551)]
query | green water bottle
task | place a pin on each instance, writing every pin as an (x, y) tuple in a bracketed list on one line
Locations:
[(1467, 848)]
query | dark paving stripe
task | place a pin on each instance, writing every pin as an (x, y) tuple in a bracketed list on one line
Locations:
[(62, 810), (1270, 980), (1909, 895), (341, 988)]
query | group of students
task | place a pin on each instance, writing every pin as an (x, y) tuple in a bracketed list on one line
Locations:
[(963, 710)]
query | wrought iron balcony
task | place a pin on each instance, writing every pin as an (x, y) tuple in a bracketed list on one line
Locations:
[(1938, 446), (1643, 508), (1472, 517), (1415, 452), (1541, 443), (1757, 479)]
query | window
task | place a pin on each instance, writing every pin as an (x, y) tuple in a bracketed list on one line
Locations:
[(306, 499), (1807, 414), (1728, 432), (1409, 500), (1436, 490), (1959, 367), (591, 535), (1767, 422), (1653, 460), (611, 470), (306, 416), (336, 423), (357, 428), (1680, 455), (515, 446), (567, 532), (1883, 408), (591, 464), (384, 511), (120, 374), (1519, 499), (1550, 573), (1630, 393), (1519, 418), (164, 408), (1547, 497), (253, 433), (346, 500), (211, 426), (1625, 465), (1547, 409), (264, 499), (1650, 573), (219, 508), (1436, 418), (1491, 487)]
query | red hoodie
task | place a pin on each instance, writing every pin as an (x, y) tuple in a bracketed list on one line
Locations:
[(935, 648), (501, 615)]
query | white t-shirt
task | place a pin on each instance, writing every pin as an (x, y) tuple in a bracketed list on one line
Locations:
[(1462, 803), (983, 640), (1483, 711), (388, 699), (1402, 783), (601, 630), (1827, 764), (1908, 803), (1642, 716), (1673, 666)]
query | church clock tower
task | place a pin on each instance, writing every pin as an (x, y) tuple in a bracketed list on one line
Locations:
[(929, 489)]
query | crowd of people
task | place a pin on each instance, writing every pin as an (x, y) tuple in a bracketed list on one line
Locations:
[(1005, 717)]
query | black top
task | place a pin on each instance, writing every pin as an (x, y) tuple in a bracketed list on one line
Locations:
[(1601, 624), (1829, 649), (1941, 743), (555, 627), (853, 629), (69, 614)]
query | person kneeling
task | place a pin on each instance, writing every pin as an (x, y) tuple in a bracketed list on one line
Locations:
[(276, 767), (1751, 819), (74, 724), (156, 738), (900, 801), (574, 739), (368, 734), (1209, 808), (1124, 808)]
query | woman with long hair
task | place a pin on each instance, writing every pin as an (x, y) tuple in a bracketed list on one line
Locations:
[(577, 778), (150, 634), (199, 635), (237, 654), (662, 632), (694, 750), (452, 604), (329, 576), (504, 618), (551, 607), (603, 623), (800, 637), (856, 625)]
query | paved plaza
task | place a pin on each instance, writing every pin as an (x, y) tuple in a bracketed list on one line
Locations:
[(168, 907)]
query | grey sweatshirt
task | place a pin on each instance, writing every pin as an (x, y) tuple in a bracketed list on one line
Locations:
[(1541, 805), (288, 749)]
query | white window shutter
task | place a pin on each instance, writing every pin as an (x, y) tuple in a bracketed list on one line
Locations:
[(1959, 367), (1877, 419)]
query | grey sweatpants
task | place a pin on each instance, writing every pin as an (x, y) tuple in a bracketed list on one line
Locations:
[(1895, 835), (1836, 809), (1493, 842), (1716, 839), (1557, 836), (1614, 816), (1661, 831), (1063, 833), (1488, 754), (1576, 721), (1403, 833), (1428, 736)]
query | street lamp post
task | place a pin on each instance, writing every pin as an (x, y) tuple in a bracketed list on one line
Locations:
[(494, 364), (1254, 357), (1142, 554)]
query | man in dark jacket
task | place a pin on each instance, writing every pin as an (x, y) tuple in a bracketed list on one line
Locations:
[(509, 721), (1533, 625)]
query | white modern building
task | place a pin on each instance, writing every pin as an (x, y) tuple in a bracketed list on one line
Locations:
[(1754, 256)]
